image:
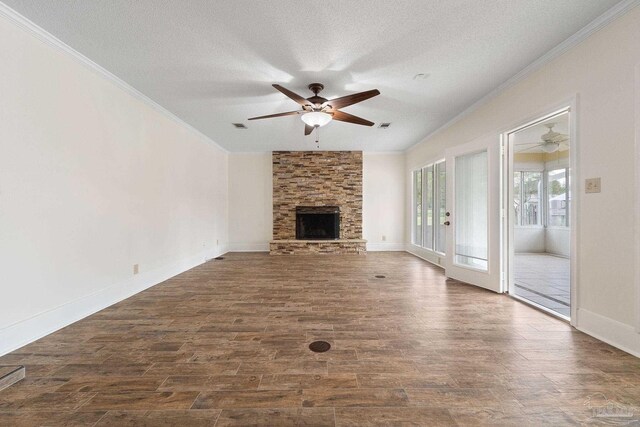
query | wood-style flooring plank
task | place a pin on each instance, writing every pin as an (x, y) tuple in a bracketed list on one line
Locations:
[(226, 344)]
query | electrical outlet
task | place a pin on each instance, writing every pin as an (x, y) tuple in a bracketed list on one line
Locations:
[(136, 269), (592, 185), (384, 238)]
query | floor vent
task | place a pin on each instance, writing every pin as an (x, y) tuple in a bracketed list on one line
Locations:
[(219, 258), (9, 375), (380, 276), (319, 346)]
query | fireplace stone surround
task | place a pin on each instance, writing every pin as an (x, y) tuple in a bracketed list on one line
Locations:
[(319, 180)]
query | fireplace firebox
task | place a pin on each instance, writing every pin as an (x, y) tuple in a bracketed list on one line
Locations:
[(317, 222)]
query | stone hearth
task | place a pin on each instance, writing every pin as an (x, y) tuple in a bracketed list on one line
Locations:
[(307, 247)]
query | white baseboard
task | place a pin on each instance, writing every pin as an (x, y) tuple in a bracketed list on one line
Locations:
[(385, 246), (611, 331), (29, 330), (248, 247)]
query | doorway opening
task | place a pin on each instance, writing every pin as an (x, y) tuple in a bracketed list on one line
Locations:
[(539, 217)]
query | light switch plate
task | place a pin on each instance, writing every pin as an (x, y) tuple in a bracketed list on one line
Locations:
[(592, 185)]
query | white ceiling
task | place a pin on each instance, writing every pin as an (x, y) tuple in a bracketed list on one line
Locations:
[(212, 63)]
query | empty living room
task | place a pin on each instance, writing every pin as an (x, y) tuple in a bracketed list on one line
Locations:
[(306, 213)]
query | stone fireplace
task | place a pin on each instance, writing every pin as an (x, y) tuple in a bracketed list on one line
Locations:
[(317, 202), (317, 223)]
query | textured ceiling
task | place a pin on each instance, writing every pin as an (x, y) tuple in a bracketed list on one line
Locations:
[(212, 63)]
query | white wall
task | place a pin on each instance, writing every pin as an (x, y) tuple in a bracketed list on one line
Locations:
[(600, 72), (383, 205), (251, 210), (92, 181), (529, 239), (250, 201), (553, 240), (558, 241)]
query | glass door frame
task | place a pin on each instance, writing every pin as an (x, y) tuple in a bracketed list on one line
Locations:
[(491, 278), (507, 203)]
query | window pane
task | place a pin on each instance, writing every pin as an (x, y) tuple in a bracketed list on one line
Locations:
[(517, 200), (531, 191), (428, 207), (417, 207), (557, 198), (441, 198), (471, 198)]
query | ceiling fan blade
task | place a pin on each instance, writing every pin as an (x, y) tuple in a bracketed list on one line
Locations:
[(350, 118), (300, 100), (529, 148), (289, 113), (308, 129), (345, 101)]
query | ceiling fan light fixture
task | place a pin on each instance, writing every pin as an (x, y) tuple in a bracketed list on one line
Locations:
[(550, 147), (316, 118)]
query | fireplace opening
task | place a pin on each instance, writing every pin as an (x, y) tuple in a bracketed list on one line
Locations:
[(317, 222)]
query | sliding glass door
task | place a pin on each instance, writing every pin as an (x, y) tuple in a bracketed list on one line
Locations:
[(538, 255), (429, 207)]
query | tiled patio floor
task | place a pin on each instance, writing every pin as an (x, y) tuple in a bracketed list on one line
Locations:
[(544, 279)]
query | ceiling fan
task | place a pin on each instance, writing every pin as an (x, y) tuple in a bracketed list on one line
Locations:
[(318, 111), (551, 141)]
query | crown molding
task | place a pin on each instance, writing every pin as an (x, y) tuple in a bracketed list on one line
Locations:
[(382, 153), (594, 26), (51, 40)]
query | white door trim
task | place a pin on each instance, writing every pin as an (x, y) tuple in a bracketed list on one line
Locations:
[(637, 201), (571, 105)]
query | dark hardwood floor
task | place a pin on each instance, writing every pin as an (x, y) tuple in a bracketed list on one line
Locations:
[(226, 344)]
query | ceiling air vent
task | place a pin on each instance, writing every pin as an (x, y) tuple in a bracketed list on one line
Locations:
[(384, 125), (239, 125)]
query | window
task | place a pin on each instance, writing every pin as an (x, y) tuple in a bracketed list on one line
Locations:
[(517, 198), (557, 198), (527, 198), (531, 199), (417, 207), (427, 174), (441, 206), (471, 202), (429, 207)]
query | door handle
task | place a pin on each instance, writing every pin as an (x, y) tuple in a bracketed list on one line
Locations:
[(447, 223)]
